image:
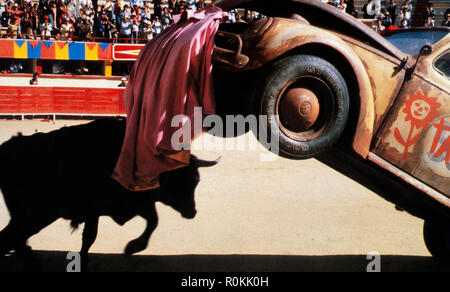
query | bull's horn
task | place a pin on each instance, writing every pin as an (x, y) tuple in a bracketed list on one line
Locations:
[(205, 163)]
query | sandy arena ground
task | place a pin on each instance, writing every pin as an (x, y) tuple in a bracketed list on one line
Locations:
[(281, 215)]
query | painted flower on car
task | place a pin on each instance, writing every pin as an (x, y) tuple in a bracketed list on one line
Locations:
[(421, 111)]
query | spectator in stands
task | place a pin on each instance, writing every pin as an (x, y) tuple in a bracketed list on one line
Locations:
[(106, 28), (13, 28), (45, 28), (180, 7), (61, 12), (384, 18), (201, 4), (429, 15), (446, 21), (35, 79), (86, 3), (66, 29), (52, 14), (89, 12), (125, 27), (366, 15), (231, 16), (34, 15), (167, 18), (350, 6), (429, 22), (406, 13), (137, 4), (85, 30), (147, 31), (342, 5), (392, 9), (117, 10), (14, 11), (26, 27), (387, 20), (157, 26), (157, 8), (380, 27), (171, 4), (15, 68), (3, 14), (124, 82), (108, 9), (134, 29), (71, 9), (126, 12), (146, 15), (79, 23), (192, 5), (405, 18)]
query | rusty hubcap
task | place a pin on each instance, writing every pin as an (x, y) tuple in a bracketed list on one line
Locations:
[(299, 109)]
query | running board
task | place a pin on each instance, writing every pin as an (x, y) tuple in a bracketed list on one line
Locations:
[(432, 193)]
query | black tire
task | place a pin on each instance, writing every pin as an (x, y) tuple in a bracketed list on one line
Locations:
[(329, 93), (437, 239)]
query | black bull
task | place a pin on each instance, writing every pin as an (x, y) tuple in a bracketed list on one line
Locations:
[(66, 174)]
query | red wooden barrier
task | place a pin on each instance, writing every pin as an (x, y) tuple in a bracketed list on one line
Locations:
[(61, 100)]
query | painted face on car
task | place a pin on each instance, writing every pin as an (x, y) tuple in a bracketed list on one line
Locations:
[(420, 109)]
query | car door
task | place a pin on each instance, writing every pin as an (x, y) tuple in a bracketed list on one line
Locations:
[(416, 134)]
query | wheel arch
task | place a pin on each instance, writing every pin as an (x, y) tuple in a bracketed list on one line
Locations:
[(361, 124)]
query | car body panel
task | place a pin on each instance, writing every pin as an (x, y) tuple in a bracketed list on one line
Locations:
[(416, 137), (264, 43), (320, 15), (390, 81)]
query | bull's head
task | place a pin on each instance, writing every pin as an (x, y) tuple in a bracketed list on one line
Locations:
[(178, 186)]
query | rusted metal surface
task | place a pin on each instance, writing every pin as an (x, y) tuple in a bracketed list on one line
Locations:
[(385, 79), (317, 14), (230, 57), (416, 137), (404, 112), (299, 109), (433, 194), (283, 35)]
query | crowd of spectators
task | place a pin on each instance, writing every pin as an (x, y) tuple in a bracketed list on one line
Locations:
[(136, 21), (389, 14), (394, 16), (91, 20)]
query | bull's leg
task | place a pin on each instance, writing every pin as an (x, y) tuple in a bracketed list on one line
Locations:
[(14, 237), (140, 243), (8, 238), (89, 235)]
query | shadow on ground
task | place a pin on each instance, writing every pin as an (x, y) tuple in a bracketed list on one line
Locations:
[(50, 261)]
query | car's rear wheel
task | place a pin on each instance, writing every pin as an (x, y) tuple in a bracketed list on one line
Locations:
[(437, 239), (306, 102)]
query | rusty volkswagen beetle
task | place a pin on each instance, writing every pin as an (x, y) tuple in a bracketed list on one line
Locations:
[(376, 109)]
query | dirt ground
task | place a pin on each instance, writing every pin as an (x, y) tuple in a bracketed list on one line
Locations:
[(281, 215)]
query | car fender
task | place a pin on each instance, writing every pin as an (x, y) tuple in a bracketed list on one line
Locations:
[(285, 36)]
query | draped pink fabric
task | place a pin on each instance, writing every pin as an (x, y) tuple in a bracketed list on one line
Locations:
[(171, 76)]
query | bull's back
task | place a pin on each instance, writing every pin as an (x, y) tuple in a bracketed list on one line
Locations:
[(54, 164)]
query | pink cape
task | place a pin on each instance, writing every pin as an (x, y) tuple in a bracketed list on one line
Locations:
[(171, 76)]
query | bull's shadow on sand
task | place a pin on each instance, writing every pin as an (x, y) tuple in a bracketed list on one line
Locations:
[(55, 261)]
